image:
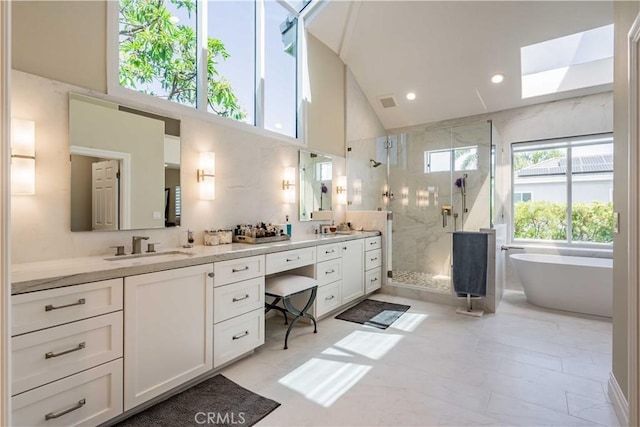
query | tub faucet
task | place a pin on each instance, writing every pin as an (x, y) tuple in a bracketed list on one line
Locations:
[(136, 244)]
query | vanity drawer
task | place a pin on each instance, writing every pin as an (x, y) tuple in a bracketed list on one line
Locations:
[(373, 280), (234, 337), (326, 252), (328, 298), (43, 309), (238, 298), (236, 270), (372, 259), (48, 355), (88, 398), (371, 243), (329, 271), (287, 260)]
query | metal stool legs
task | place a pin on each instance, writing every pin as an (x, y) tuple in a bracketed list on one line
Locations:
[(289, 308)]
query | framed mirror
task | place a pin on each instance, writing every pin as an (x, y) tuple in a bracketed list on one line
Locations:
[(125, 167), (316, 174)]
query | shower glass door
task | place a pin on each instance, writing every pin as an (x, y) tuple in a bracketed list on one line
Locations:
[(440, 181)]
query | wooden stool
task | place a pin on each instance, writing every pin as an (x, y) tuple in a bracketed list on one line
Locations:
[(283, 288)]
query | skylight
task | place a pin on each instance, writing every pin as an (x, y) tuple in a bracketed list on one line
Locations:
[(567, 63)]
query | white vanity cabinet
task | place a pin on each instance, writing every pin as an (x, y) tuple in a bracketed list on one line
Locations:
[(372, 264), (168, 330), (329, 277), (238, 299), (67, 355), (352, 270)]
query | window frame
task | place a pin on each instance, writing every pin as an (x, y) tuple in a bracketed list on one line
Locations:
[(176, 110), (561, 143)]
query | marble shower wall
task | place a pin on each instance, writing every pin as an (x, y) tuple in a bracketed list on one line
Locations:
[(421, 242)]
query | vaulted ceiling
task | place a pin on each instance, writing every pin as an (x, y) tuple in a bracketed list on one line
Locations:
[(447, 51)]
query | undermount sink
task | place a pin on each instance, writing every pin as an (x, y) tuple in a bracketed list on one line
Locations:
[(147, 255)]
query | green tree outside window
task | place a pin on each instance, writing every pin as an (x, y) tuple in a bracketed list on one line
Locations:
[(158, 56)]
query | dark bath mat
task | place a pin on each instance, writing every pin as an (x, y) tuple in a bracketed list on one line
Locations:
[(378, 314), (216, 401)]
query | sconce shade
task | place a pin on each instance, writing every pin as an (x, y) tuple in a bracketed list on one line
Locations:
[(207, 176), (23, 158), (289, 184)]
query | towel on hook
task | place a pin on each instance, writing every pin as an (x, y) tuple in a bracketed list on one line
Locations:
[(470, 263)]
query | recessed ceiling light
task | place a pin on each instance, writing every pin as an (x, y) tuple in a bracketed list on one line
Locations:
[(411, 96), (497, 78), (174, 19)]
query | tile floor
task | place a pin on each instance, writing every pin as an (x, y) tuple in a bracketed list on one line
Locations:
[(522, 366)]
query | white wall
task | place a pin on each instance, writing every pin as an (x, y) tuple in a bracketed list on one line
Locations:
[(249, 171), (69, 51), (624, 14)]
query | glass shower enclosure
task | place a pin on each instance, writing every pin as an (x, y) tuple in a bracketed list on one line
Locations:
[(435, 180)]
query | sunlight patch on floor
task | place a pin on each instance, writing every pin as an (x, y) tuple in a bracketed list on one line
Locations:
[(408, 322), (324, 381), (373, 345), (335, 352)]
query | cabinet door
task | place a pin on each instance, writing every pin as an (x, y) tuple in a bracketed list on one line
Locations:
[(352, 270), (168, 330)]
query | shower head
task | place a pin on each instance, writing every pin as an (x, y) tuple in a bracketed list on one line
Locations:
[(374, 164)]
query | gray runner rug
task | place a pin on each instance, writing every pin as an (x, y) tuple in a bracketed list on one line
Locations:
[(217, 401), (378, 314)]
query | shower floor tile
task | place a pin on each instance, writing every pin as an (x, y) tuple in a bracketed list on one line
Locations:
[(436, 282)]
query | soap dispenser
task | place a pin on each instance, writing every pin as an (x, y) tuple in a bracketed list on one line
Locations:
[(288, 226)]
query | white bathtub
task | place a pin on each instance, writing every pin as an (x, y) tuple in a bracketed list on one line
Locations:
[(578, 284)]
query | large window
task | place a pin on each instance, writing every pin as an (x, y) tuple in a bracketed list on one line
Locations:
[(248, 67), (572, 179)]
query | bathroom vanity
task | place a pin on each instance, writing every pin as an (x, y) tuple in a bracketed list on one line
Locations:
[(95, 337)]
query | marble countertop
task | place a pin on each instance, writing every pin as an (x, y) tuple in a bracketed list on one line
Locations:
[(42, 275)]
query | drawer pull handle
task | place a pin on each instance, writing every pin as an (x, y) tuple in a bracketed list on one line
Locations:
[(49, 307), (210, 275), (293, 259), (238, 270), (53, 415), (329, 271), (240, 299), (243, 334), (373, 243), (329, 298), (374, 259), (330, 252), (51, 354), (375, 279)]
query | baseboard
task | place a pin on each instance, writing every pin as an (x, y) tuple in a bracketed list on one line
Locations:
[(620, 404)]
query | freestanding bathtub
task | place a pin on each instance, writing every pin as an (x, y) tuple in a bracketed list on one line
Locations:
[(578, 284)]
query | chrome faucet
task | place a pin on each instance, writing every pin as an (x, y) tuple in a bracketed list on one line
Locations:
[(136, 244)]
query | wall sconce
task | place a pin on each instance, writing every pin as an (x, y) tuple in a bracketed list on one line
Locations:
[(289, 184), (207, 176), (341, 190), (23, 157)]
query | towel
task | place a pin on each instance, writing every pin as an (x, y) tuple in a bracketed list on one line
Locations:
[(470, 263)]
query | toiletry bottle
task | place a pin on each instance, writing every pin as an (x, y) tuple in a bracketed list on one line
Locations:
[(288, 226)]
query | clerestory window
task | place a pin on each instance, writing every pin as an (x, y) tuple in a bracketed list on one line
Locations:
[(235, 59)]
